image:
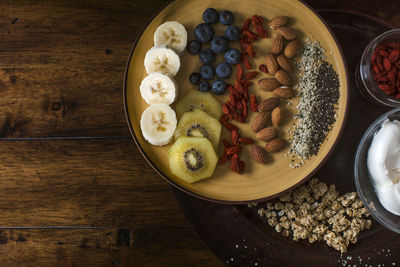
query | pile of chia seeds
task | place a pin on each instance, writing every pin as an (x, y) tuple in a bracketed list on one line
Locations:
[(318, 89)]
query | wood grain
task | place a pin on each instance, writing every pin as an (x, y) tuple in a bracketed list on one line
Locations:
[(62, 65), (61, 70), (92, 247)]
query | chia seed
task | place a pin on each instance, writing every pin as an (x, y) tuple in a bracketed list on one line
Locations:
[(318, 89)]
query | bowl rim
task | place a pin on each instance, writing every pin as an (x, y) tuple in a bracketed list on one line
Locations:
[(360, 193), (366, 76), (230, 202)]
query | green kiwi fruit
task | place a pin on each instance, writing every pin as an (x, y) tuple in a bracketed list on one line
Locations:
[(192, 158), (199, 100), (199, 124)]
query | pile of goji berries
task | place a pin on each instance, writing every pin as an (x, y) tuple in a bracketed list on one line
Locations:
[(385, 62), (236, 106)]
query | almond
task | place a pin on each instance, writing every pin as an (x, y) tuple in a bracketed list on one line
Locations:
[(283, 77), (272, 64), (276, 145), (287, 33), (268, 104), (278, 21), (259, 154), (284, 62), (266, 134), (292, 48), (277, 45), (260, 121), (268, 84), (277, 116), (283, 92)]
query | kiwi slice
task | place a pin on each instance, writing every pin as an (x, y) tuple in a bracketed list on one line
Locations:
[(199, 100), (192, 158), (199, 124)]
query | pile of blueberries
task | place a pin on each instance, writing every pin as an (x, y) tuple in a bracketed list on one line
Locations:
[(204, 34)]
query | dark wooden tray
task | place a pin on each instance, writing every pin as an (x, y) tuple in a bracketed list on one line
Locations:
[(238, 236)]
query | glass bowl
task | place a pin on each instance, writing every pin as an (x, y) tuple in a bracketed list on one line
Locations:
[(363, 180), (365, 81)]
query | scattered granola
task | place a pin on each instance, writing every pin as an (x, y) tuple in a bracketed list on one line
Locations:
[(315, 211)]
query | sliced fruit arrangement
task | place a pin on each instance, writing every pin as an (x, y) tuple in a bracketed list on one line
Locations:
[(158, 123), (192, 158), (199, 124), (199, 100), (158, 88)]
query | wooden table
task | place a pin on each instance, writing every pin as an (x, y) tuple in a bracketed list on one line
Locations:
[(74, 189)]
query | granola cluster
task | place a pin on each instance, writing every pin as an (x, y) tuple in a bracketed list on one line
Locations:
[(315, 211)]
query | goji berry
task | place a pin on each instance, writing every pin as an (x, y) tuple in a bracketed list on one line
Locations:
[(225, 109), (250, 51), (230, 126), (394, 55), (235, 165), (223, 119), (387, 64), (246, 140), (383, 53), (251, 75), (379, 62), (253, 37), (256, 19), (239, 87), (246, 24), (253, 103), (261, 31), (244, 108), (239, 73), (234, 150), (263, 68), (235, 137), (245, 61), (246, 94)]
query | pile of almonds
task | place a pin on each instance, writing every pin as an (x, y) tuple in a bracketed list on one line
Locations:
[(278, 64)]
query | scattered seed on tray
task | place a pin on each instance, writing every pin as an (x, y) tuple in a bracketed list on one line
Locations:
[(318, 89)]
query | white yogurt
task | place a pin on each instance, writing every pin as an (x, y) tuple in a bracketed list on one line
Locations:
[(384, 165)]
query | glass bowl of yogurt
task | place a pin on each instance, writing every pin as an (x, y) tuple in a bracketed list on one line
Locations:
[(377, 169)]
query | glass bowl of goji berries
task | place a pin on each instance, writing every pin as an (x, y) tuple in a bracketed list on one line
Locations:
[(378, 73)]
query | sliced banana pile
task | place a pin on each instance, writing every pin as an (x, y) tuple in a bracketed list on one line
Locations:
[(159, 89)]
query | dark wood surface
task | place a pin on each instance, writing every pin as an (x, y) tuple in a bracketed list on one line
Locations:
[(74, 189)]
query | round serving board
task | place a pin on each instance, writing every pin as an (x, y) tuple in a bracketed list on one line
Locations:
[(239, 237)]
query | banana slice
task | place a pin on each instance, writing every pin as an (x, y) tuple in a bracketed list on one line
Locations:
[(158, 88), (158, 124), (161, 59), (172, 34)]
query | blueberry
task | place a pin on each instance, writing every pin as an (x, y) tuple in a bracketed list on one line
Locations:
[(207, 56), (210, 15), (232, 56), (226, 17), (204, 86), (232, 32), (218, 87), (203, 33), (224, 70), (194, 47), (219, 44), (195, 78), (207, 72)]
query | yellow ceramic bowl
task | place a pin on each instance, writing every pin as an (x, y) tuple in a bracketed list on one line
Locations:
[(259, 182)]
